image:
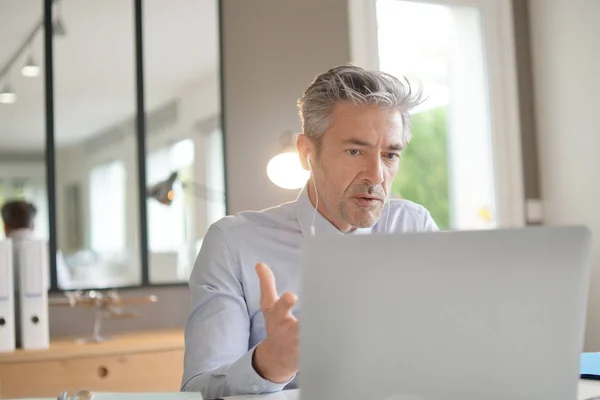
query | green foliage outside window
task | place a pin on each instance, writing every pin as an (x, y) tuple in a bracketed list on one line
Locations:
[(423, 173)]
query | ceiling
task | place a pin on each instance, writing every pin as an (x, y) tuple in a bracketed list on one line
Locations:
[(94, 65)]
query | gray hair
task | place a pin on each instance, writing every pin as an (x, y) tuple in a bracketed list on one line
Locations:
[(353, 84)]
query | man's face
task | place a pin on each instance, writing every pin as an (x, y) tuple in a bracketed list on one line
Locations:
[(357, 163)]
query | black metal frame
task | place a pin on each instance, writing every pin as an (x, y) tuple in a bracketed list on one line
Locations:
[(140, 136), (50, 164), (141, 140)]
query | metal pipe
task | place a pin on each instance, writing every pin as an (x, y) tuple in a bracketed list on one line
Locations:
[(4, 71), (13, 59)]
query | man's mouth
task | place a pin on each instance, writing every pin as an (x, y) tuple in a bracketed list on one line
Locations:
[(367, 201)]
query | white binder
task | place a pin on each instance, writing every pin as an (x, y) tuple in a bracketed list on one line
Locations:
[(33, 270), (7, 297)]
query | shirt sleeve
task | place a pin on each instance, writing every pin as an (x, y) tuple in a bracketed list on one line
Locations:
[(429, 224), (218, 362)]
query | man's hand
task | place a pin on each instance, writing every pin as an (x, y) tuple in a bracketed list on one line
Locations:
[(276, 358)]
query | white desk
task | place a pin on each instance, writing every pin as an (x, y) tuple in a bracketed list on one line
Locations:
[(587, 389)]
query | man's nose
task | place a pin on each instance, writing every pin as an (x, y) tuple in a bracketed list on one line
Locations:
[(374, 170)]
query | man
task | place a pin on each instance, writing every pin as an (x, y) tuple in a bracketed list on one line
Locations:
[(242, 336), (18, 217)]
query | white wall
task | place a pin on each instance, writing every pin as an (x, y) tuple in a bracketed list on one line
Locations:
[(565, 43), (272, 51), (31, 170)]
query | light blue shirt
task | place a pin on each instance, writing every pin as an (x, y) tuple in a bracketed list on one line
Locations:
[(225, 322)]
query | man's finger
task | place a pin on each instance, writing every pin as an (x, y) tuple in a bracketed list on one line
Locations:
[(283, 307), (268, 290)]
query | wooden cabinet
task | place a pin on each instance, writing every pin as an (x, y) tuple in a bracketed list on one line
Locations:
[(139, 362)]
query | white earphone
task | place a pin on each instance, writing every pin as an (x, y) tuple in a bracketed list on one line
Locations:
[(387, 217), (312, 176)]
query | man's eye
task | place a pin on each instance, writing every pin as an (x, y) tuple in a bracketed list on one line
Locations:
[(353, 152), (392, 156)]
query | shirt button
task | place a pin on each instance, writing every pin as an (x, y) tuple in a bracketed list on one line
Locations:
[(255, 388)]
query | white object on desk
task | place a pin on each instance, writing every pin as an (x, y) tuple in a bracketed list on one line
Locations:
[(283, 395), (587, 390), (135, 396), (7, 298), (147, 396)]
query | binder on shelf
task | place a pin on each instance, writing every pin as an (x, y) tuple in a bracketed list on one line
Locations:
[(33, 267), (7, 298)]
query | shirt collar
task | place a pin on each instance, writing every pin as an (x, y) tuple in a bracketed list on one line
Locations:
[(305, 211), (21, 234)]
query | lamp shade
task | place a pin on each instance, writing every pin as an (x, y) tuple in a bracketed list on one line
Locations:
[(7, 95), (30, 69), (163, 191), (285, 170)]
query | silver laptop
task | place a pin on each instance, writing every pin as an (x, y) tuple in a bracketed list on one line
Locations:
[(469, 315)]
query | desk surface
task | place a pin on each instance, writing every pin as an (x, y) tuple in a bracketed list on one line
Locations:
[(587, 390)]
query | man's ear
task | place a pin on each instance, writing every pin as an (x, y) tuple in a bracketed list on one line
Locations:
[(305, 147)]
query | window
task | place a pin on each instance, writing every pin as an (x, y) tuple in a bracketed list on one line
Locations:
[(171, 227), (36, 193), (107, 208), (167, 224), (463, 163), (215, 176)]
